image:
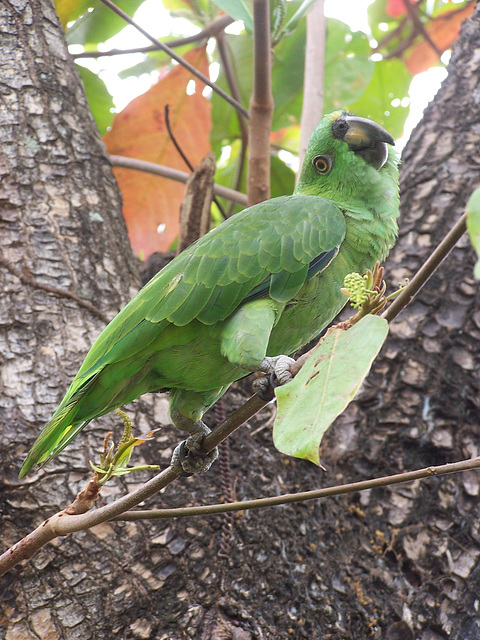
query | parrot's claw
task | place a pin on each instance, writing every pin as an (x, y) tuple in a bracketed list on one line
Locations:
[(188, 459), (264, 388), (280, 366)]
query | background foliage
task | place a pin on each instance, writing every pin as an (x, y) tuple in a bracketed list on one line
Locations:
[(367, 73)]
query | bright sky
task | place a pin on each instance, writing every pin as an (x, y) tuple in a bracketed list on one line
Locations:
[(353, 12)]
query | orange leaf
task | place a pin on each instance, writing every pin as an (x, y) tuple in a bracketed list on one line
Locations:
[(444, 31), (396, 8), (139, 131)]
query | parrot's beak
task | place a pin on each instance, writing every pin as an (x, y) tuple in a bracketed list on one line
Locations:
[(364, 137)]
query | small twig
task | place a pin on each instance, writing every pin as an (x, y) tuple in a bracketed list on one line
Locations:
[(173, 174), (211, 30), (174, 56), (426, 270), (26, 278), (315, 494), (62, 524), (232, 83), (176, 144)]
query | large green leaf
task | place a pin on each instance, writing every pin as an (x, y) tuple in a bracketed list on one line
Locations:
[(348, 68), (473, 226), (391, 80), (326, 384), (99, 99)]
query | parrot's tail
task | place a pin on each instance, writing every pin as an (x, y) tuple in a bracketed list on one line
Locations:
[(59, 431)]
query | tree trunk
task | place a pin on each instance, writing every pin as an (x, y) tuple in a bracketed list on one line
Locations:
[(349, 567)]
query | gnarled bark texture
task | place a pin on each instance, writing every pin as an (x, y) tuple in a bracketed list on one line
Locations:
[(350, 567)]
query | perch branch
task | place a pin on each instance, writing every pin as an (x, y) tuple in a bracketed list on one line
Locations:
[(426, 270)]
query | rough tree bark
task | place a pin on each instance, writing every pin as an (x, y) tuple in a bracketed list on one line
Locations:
[(349, 567)]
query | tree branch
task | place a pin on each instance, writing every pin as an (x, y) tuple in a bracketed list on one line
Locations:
[(173, 174), (174, 56), (261, 107)]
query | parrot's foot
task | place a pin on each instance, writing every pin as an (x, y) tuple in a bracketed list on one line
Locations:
[(188, 458), (280, 366)]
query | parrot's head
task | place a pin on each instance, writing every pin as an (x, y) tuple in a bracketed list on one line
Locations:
[(346, 158)]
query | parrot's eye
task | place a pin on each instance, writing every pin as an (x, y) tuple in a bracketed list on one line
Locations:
[(322, 164)]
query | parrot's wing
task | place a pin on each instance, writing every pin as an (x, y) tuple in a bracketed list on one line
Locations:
[(274, 246)]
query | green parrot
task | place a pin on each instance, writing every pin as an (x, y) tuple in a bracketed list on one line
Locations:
[(244, 297)]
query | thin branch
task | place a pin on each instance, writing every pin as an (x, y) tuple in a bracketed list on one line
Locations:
[(27, 278), (211, 30), (290, 498), (423, 274), (391, 36), (261, 107), (173, 174), (174, 56)]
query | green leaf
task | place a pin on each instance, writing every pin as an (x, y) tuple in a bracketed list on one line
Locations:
[(326, 384), (239, 10), (100, 24), (99, 99), (391, 81), (473, 226), (348, 68)]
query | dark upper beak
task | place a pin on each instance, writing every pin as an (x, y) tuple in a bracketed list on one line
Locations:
[(365, 137)]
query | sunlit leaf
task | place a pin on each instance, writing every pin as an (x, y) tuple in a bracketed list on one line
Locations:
[(473, 226), (239, 10), (348, 68), (390, 82), (99, 99), (102, 23), (139, 131), (69, 10), (324, 387)]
